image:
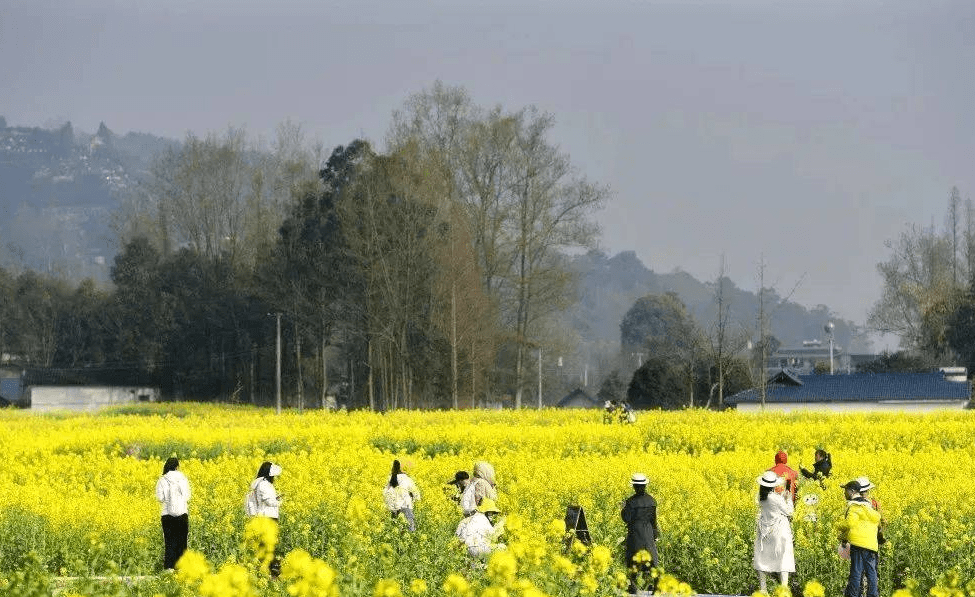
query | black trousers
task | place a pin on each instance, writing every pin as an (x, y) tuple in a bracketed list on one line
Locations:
[(175, 530)]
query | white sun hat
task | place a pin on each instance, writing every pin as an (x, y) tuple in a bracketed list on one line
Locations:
[(865, 484), (638, 479), (770, 479)]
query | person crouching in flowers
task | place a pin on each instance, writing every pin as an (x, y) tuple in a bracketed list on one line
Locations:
[(774, 551), (480, 530), (173, 492), (640, 515), (400, 493)]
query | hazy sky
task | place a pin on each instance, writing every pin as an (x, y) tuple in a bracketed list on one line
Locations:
[(806, 131)]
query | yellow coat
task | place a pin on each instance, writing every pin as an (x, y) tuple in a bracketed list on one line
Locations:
[(860, 525)]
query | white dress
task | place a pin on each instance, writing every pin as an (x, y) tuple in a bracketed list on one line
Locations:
[(774, 551)]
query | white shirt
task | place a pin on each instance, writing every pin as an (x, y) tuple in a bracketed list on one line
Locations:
[(268, 502), (173, 493), (476, 532), (403, 495)]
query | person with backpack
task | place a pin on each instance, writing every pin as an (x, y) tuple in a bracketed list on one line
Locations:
[(173, 493), (262, 498), (773, 549), (400, 494)]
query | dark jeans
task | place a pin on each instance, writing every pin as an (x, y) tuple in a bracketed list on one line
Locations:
[(863, 562), (175, 531)]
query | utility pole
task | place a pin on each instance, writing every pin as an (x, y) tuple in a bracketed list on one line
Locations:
[(539, 379), (277, 375)]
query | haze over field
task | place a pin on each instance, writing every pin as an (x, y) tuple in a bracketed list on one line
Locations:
[(809, 133)]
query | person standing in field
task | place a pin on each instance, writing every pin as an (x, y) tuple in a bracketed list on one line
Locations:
[(783, 470), (821, 467), (173, 492), (400, 494), (263, 499), (859, 529), (640, 515), (773, 549), (482, 486)]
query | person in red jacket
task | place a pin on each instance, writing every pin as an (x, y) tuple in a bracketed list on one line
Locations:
[(783, 470)]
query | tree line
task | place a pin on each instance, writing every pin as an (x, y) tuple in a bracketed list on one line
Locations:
[(421, 275), (928, 297)]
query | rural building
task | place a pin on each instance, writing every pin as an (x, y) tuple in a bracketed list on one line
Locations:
[(803, 359), (578, 398), (789, 391), (48, 398)]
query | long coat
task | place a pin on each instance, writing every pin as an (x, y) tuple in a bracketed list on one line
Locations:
[(773, 535), (640, 515)]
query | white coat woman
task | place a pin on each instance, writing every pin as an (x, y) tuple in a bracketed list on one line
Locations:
[(400, 494), (263, 498), (774, 551), (173, 493)]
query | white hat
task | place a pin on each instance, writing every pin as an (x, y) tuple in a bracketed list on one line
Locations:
[(770, 479), (865, 484), (638, 479), (275, 471)]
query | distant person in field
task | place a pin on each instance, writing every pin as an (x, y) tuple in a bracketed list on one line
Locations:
[(173, 492), (460, 482), (783, 470), (263, 499), (821, 467), (400, 495), (482, 485), (773, 549), (859, 530), (640, 515)]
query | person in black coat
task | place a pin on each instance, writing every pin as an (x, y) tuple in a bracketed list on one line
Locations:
[(640, 515), (821, 468)]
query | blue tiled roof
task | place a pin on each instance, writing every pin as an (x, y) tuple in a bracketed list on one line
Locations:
[(860, 387)]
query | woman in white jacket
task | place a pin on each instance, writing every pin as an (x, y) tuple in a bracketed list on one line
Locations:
[(173, 493), (400, 494), (774, 551), (263, 499)]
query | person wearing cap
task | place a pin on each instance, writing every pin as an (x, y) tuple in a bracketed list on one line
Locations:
[(460, 481), (173, 492), (821, 467), (773, 549), (859, 529), (479, 530), (481, 486), (263, 496), (640, 515), (783, 470), (400, 494)]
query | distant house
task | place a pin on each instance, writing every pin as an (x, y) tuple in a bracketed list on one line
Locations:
[(85, 398), (803, 359), (578, 398), (789, 391)]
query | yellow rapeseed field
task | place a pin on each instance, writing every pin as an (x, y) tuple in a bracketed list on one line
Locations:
[(76, 499)]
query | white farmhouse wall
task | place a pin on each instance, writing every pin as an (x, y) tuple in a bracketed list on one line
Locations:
[(84, 398)]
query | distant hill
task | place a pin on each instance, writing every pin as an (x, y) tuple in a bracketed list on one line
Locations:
[(58, 189), (608, 287)]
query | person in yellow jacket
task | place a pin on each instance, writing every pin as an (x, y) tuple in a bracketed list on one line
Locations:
[(859, 529)]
